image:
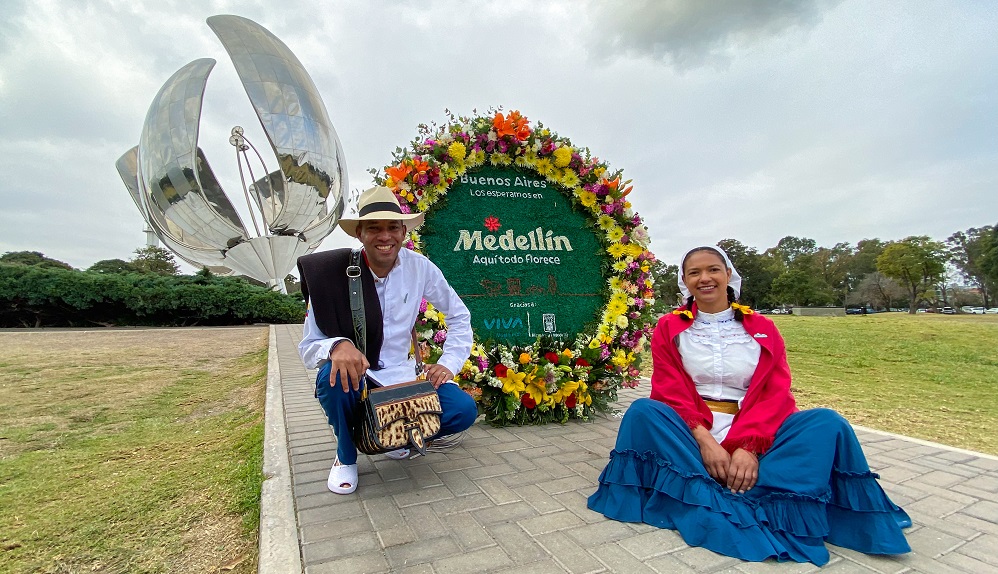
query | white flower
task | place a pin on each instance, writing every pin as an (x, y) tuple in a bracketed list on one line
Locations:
[(492, 135)]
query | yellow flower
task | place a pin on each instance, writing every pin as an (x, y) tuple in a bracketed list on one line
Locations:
[(594, 344), (500, 159), (562, 156), (524, 358), (568, 353), (619, 358), (569, 179), (617, 250), (512, 383), (457, 151), (476, 158), (544, 166), (622, 321), (620, 266), (605, 222), (615, 234), (633, 250), (587, 198)]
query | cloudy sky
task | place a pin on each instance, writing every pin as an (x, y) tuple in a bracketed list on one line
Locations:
[(751, 120)]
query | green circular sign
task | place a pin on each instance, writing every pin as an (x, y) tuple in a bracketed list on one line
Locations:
[(523, 260)]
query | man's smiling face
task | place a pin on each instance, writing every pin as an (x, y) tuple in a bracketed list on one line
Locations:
[(382, 239)]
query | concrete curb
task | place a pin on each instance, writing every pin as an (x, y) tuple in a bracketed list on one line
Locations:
[(280, 548), (928, 443)]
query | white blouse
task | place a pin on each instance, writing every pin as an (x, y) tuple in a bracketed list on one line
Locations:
[(720, 356)]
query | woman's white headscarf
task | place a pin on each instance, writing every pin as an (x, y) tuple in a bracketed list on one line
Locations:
[(735, 281)]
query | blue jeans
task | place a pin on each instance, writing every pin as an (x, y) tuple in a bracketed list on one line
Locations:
[(459, 411)]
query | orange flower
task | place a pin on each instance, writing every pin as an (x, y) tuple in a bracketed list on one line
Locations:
[(612, 184), (420, 166), (399, 172), (513, 124)]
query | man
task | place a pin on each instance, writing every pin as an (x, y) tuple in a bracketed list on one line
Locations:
[(395, 281)]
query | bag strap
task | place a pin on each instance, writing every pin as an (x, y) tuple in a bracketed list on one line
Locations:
[(357, 300), (418, 355)]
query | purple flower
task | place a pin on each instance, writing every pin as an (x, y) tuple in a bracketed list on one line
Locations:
[(405, 208), (421, 180), (422, 306), (440, 337)]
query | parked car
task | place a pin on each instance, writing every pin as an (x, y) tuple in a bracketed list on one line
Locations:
[(860, 311), (947, 310), (972, 310), (991, 311)]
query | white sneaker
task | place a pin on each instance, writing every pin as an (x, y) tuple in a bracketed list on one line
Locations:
[(400, 454), (342, 478)]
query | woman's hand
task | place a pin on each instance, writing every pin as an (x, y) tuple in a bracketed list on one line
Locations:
[(743, 471), (715, 459)]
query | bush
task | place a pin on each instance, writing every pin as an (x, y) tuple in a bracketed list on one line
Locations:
[(33, 296)]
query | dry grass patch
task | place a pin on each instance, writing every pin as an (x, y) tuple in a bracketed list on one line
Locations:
[(131, 450)]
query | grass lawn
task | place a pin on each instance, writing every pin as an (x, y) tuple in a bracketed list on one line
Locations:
[(933, 377), (131, 450)]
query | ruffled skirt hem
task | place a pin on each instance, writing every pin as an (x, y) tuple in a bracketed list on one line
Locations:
[(852, 512)]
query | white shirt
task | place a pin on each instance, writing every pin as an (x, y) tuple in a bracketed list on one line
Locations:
[(720, 356), (412, 279)]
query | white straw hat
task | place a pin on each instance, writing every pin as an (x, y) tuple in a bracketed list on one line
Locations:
[(379, 203)]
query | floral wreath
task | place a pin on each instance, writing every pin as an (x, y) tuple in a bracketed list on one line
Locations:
[(547, 380)]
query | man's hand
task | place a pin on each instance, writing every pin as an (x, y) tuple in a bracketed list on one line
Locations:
[(715, 459), (438, 374), (743, 471), (349, 363)]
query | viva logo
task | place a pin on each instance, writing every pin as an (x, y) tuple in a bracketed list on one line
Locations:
[(503, 323)]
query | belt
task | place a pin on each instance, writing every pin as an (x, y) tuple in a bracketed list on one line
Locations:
[(727, 407)]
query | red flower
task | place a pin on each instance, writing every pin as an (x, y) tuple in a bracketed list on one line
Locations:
[(551, 357), (492, 223), (528, 401), (501, 370), (570, 401), (581, 363)]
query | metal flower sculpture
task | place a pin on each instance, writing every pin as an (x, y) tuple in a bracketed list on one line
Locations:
[(298, 203)]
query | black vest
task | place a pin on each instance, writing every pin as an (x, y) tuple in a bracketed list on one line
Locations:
[(324, 284)]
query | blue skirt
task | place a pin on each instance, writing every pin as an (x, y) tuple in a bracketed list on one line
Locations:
[(814, 486)]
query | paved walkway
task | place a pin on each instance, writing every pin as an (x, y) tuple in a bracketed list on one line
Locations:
[(514, 500)]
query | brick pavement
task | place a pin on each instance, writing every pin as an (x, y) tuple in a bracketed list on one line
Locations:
[(513, 500)]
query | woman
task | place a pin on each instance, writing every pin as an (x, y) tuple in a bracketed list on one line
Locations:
[(721, 453)]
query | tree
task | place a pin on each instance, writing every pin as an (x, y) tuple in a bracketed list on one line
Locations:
[(876, 290), (790, 248), (799, 288), (917, 263), (967, 250), (989, 259), (112, 266), (665, 288), (34, 258), (757, 271), (151, 259)]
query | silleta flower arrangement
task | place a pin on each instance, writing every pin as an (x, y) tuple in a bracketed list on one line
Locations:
[(547, 380)]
